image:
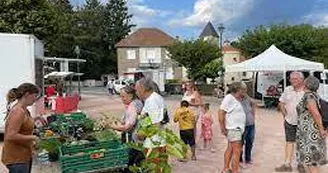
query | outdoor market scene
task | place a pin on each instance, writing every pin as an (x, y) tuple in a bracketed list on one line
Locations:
[(140, 86)]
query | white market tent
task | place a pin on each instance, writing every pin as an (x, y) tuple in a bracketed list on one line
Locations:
[(274, 59), (61, 74)]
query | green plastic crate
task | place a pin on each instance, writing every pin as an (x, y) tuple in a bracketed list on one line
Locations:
[(107, 155), (77, 116), (69, 149)]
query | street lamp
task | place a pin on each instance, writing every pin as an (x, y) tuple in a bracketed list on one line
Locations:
[(221, 29), (78, 51)]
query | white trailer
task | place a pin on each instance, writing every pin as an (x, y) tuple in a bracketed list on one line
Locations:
[(22, 61), (267, 79)]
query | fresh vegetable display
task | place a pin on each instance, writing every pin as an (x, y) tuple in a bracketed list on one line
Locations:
[(106, 135), (108, 119), (81, 143)]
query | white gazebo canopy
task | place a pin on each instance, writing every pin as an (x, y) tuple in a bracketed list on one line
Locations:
[(274, 59), (61, 74)]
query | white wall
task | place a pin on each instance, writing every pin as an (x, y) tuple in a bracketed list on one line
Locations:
[(152, 54), (17, 53)]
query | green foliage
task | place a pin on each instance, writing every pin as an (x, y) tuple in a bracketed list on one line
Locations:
[(212, 69), (195, 55), (154, 159), (105, 135), (50, 144), (303, 41), (172, 81), (95, 27)]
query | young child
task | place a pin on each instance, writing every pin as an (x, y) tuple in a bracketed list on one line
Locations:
[(186, 119), (207, 122)]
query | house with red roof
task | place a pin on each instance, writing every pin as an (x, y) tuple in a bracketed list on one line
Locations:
[(145, 49)]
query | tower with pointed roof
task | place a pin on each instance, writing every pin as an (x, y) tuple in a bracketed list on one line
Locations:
[(209, 33)]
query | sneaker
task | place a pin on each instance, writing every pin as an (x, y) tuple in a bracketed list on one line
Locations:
[(249, 163), (284, 168), (300, 168)]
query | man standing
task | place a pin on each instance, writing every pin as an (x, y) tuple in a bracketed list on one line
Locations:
[(154, 106), (288, 102), (249, 133), (110, 86)]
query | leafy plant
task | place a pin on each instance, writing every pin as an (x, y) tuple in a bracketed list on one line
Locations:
[(155, 160), (106, 135), (49, 144), (88, 125)]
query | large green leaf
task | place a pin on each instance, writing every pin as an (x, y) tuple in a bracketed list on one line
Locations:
[(136, 146)]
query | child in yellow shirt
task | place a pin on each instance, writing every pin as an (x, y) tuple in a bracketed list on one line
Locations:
[(186, 119)]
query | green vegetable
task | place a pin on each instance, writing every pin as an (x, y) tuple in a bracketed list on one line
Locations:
[(88, 125), (50, 144), (106, 135)]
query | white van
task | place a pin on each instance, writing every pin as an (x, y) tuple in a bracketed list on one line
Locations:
[(21, 61), (267, 79)]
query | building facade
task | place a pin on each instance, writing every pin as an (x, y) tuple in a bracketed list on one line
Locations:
[(231, 56), (145, 50)]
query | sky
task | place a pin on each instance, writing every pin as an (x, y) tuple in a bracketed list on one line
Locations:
[(187, 18)]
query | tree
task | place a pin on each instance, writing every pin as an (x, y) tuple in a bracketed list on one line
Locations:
[(61, 43), (87, 30), (95, 28), (196, 56), (116, 26), (45, 19), (212, 69), (28, 17), (303, 41)]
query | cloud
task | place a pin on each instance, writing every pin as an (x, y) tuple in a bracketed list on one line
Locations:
[(143, 14), (143, 10), (319, 15), (218, 11), (317, 19)]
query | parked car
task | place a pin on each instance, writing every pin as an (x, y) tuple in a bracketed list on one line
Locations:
[(119, 84)]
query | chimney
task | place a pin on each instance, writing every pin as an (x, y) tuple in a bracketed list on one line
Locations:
[(226, 43)]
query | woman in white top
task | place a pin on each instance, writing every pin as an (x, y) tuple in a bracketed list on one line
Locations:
[(193, 97), (195, 101), (232, 119)]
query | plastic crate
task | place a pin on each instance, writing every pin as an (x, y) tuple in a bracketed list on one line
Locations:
[(93, 156), (77, 116)]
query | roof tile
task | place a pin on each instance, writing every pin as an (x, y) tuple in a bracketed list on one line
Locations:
[(146, 37)]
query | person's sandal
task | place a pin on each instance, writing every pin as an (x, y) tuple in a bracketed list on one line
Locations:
[(284, 168), (227, 171), (183, 160), (300, 168), (193, 158)]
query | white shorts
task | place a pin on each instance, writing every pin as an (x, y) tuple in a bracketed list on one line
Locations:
[(234, 135)]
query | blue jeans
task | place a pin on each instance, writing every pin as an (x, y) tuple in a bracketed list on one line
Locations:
[(20, 167), (248, 139)]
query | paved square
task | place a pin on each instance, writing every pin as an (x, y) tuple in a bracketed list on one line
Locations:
[(268, 149)]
